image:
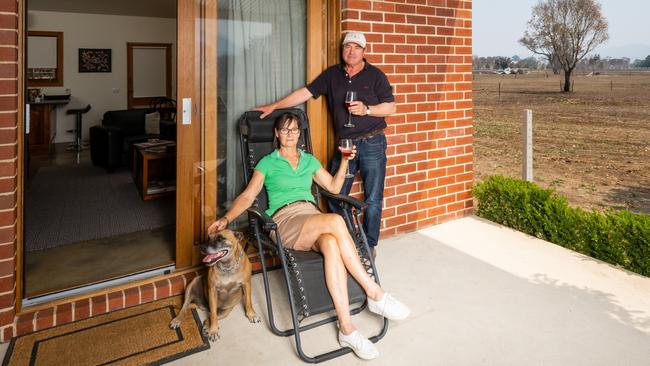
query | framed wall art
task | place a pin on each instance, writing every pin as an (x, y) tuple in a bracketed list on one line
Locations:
[(94, 60)]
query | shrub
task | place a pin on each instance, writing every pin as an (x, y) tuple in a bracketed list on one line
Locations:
[(617, 237)]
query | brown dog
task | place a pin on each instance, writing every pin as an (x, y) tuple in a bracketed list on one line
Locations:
[(228, 279)]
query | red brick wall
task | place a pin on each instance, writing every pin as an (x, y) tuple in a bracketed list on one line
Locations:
[(69, 311), (8, 160), (425, 48)]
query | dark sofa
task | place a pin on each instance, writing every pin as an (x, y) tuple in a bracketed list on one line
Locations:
[(111, 143)]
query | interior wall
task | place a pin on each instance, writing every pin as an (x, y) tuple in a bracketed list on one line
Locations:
[(103, 91)]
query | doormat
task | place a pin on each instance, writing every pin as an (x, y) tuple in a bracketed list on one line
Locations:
[(139, 335)]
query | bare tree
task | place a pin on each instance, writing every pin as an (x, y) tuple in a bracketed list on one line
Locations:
[(568, 29)]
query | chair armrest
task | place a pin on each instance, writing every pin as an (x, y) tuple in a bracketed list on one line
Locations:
[(359, 205), (267, 221)]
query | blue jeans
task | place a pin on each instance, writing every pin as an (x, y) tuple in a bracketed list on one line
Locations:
[(370, 161)]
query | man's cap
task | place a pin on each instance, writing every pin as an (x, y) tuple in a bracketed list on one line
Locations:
[(355, 37)]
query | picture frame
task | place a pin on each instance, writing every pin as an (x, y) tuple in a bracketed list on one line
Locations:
[(95, 60)]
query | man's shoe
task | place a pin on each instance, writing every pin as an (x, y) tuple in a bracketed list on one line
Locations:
[(361, 346), (389, 307)]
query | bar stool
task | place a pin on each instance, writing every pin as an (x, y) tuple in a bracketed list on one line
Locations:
[(77, 145)]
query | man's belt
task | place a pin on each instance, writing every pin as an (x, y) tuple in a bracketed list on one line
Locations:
[(368, 135)]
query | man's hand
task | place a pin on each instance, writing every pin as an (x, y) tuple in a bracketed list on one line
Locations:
[(294, 99), (265, 109), (357, 108), (217, 226)]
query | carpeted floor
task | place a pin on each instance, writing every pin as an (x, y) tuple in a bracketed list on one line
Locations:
[(68, 204), (138, 335)]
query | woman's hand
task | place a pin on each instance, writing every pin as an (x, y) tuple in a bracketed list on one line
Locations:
[(218, 225), (352, 155)]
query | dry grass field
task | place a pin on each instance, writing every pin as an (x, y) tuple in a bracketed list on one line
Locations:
[(592, 146)]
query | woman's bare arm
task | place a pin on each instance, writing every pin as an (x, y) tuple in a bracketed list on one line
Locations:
[(241, 203), (334, 184)]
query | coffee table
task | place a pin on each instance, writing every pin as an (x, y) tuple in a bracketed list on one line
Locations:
[(154, 173)]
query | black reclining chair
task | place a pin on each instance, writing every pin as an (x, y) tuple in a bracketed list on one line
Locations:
[(303, 271)]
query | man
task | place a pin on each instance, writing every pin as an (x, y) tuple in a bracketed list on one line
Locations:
[(374, 102)]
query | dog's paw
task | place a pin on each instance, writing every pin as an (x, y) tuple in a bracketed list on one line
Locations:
[(212, 334), (175, 323), (254, 318), (213, 337)]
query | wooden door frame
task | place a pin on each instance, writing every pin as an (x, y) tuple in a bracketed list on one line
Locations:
[(20, 146), (323, 50), (193, 26), (333, 43), (317, 61)]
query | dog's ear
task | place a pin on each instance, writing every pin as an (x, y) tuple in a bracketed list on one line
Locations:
[(239, 235)]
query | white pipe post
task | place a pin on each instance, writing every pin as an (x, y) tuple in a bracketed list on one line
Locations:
[(527, 132)]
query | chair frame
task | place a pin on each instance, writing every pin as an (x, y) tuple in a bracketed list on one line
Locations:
[(260, 223)]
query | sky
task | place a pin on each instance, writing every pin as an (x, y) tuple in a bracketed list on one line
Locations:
[(499, 24)]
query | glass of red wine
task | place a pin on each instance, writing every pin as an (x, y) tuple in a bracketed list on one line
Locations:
[(350, 96), (346, 146)]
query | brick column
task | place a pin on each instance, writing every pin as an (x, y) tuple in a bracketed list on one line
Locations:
[(425, 48), (8, 162)]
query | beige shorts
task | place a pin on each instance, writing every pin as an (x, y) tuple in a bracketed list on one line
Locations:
[(290, 219)]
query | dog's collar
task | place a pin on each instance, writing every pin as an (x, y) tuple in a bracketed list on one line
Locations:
[(229, 270)]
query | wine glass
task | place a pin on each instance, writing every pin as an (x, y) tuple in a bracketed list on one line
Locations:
[(346, 150), (350, 96)]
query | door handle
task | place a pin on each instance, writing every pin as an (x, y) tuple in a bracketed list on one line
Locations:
[(27, 106), (187, 111)]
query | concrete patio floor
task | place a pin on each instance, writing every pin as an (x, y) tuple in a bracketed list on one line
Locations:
[(480, 294)]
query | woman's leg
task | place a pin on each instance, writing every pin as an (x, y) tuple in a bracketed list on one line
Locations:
[(333, 224), (336, 278), (328, 234)]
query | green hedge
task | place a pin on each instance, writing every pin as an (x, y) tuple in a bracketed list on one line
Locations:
[(617, 237)]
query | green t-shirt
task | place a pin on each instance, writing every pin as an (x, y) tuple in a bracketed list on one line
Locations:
[(284, 184)]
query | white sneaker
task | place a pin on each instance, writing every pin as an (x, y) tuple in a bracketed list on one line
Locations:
[(389, 307), (361, 346)]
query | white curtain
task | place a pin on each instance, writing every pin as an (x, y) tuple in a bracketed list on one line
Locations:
[(262, 48)]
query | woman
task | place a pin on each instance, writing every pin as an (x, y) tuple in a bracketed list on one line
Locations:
[(287, 174)]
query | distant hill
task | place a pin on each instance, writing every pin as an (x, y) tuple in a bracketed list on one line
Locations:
[(633, 51)]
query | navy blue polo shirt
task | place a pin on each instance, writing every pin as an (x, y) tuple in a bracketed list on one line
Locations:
[(372, 88)]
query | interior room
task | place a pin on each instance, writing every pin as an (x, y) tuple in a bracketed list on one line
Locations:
[(100, 143)]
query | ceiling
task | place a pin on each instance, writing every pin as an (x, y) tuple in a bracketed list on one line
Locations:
[(147, 8)]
